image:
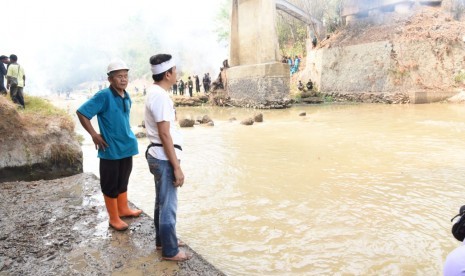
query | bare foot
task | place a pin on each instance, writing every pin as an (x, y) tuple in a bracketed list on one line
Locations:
[(130, 213), (180, 243), (180, 257), (118, 225)]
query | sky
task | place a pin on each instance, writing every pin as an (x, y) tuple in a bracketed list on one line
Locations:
[(47, 34)]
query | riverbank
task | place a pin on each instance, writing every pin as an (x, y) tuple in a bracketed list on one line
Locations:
[(60, 227)]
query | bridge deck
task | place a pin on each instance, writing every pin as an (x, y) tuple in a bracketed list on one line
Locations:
[(353, 7), (296, 12)]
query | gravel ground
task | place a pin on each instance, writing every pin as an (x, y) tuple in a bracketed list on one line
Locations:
[(60, 227)]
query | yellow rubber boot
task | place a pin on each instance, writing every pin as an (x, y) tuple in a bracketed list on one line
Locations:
[(112, 208)]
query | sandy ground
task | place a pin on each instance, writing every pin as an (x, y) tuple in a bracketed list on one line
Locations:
[(60, 227)]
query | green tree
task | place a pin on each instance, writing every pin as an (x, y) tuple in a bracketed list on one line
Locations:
[(293, 33), (223, 22)]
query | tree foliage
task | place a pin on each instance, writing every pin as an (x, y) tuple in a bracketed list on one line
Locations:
[(292, 33), (223, 22)]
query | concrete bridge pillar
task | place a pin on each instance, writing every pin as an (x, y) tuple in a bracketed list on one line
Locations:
[(256, 76)]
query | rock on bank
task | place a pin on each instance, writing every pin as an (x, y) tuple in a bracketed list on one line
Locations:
[(36, 145)]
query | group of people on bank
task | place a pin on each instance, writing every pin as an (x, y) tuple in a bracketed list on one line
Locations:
[(188, 85), (117, 144), (15, 79), (308, 86), (293, 63)]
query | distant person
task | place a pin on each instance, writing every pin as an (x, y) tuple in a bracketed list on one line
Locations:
[(190, 86), (290, 62), (309, 85), (300, 86), (295, 67), (3, 60), (296, 63), (225, 64), (164, 156), (175, 88), (197, 84), (218, 83), (314, 41), (181, 87), (205, 83), (116, 143), (209, 82), (16, 80), (145, 90)]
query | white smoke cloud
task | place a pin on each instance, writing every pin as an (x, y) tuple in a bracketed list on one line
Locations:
[(47, 35)]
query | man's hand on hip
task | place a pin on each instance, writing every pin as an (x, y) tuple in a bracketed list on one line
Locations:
[(99, 142)]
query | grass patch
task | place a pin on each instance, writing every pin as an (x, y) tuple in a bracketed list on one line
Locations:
[(296, 97), (460, 77), (36, 105), (328, 99), (40, 111), (80, 139)]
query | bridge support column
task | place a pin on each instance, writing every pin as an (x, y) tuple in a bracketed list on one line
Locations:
[(256, 77), (259, 85)]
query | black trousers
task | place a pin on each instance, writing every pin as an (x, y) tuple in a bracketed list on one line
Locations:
[(114, 176), (2, 86), (16, 94)]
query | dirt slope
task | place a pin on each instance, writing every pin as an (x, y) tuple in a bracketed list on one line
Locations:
[(425, 23)]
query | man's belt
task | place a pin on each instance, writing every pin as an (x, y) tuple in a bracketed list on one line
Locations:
[(158, 145)]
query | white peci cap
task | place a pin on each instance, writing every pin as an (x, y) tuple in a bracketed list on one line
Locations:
[(115, 65)]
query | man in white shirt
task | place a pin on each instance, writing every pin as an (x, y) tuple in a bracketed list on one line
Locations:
[(164, 155), (455, 262)]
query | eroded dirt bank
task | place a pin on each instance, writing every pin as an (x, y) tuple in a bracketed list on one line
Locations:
[(60, 227)]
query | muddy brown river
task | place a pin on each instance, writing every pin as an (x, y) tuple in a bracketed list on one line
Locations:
[(347, 189)]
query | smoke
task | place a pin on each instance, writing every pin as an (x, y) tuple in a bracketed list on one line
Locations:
[(61, 44)]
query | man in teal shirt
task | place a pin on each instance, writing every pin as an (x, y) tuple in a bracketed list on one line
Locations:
[(116, 143)]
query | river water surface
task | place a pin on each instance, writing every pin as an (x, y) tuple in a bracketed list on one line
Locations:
[(347, 189)]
